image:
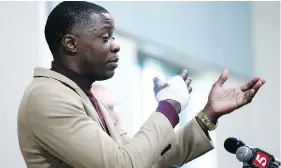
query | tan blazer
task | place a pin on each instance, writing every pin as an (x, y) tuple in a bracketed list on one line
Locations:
[(59, 128)]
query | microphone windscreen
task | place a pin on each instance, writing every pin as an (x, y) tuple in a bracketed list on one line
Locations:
[(232, 144), (244, 154)]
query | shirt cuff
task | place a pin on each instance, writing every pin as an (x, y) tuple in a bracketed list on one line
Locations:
[(169, 111)]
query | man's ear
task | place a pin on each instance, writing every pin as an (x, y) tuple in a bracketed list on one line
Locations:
[(69, 43)]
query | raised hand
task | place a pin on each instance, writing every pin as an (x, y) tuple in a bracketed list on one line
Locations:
[(222, 101), (175, 91)]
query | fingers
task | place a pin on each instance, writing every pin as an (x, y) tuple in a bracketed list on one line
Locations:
[(250, 93), (157, 85), (188, 81), (251, 89), (258, 85), (249, 84), (189, 89), (157, 82), (248, 96), (222, 78), (183, 74)]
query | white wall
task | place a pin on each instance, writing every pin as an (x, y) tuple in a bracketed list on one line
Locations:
[(266, 42), (205, 31), (209, 31), (19, 55), (258, 124)]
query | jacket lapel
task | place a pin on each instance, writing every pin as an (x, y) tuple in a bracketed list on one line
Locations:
[(43, 72), (92, 111), (110, 123)]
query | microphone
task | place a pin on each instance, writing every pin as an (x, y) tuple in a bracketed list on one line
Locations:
[(244, 154), (232, 144), (255, 157)]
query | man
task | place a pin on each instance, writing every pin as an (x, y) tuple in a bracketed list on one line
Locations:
[(102, 93), (61, 124)]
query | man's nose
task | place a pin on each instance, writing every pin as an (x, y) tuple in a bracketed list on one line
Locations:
[(115, 48)]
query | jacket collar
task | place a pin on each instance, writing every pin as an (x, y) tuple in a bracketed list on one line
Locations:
[(44, 72)]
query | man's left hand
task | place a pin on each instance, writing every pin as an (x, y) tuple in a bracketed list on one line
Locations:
[(222, 101)]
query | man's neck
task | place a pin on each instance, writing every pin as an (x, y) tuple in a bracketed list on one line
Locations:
[(82, 81)]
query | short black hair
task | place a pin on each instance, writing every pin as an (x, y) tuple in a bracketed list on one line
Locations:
[(64, 17)]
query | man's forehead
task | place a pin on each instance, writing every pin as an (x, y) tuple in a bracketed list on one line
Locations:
[(101, 20)]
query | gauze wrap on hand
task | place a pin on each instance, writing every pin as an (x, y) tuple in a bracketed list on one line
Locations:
[(177, 90)]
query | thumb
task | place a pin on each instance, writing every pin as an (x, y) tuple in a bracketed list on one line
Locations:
[(222, 78), (157, 85), (157, 82)]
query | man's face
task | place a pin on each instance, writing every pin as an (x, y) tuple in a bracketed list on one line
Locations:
[(96, 49)]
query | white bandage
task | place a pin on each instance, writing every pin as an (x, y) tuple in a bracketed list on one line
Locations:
[(177, 90)]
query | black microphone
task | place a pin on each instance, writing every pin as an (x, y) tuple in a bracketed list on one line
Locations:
[(255, 157), (232, 144)]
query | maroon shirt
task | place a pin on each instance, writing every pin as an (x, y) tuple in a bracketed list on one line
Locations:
[(86, 84)]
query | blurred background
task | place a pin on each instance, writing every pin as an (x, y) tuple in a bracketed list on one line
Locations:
[(160, 39)]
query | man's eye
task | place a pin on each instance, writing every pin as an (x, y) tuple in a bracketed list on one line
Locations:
[(105, 39)]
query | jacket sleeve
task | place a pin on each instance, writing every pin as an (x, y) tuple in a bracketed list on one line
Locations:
[(61, 126), (192, 142)]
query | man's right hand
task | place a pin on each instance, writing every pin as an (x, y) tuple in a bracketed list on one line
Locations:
[(176, 90)]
